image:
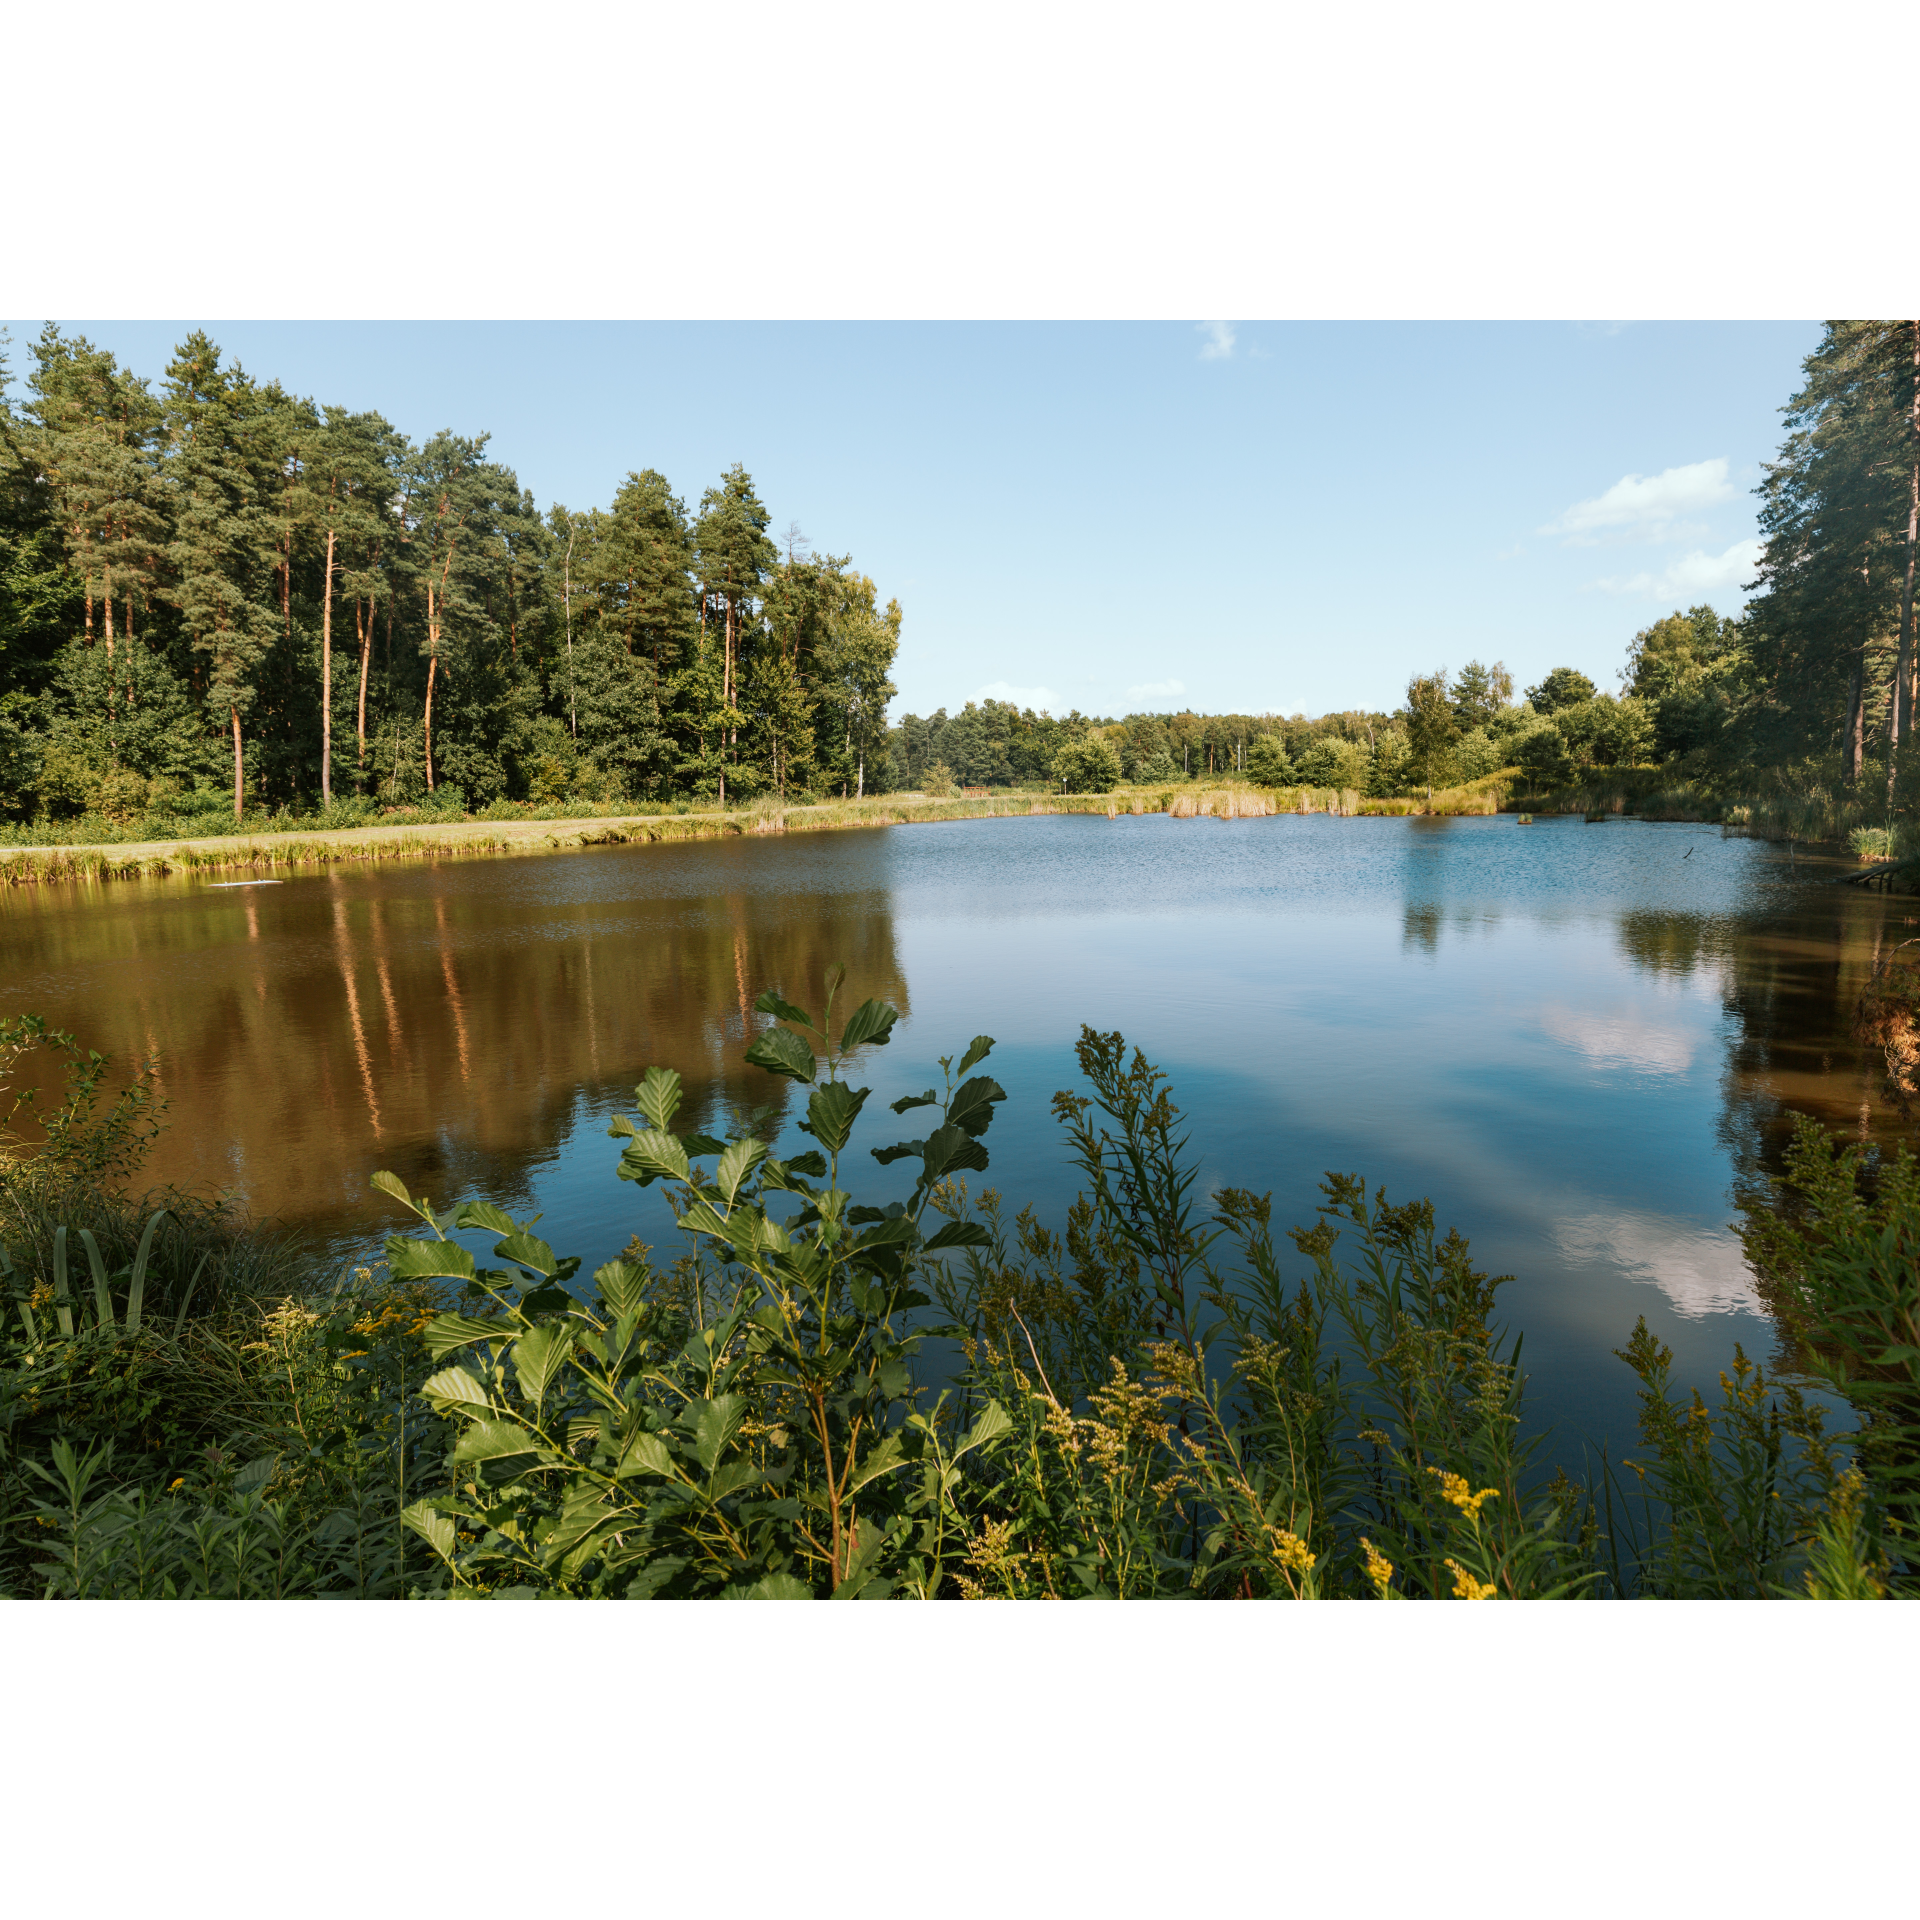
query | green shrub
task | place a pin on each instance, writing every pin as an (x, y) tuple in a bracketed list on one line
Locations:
[(1086, 765)]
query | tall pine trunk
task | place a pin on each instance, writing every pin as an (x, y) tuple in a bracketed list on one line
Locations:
[(433, 669), (326, 681), (239, 768), (566, 606), (365, 631), (1856, 717), (1900, 706), (1913, 535)]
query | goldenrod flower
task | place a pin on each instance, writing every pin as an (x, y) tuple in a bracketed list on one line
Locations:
[(1454, 1490), (1379, 1567), (1466, 1587), (1290, 1550)]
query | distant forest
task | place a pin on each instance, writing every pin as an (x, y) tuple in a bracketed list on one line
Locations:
[(219, 597)]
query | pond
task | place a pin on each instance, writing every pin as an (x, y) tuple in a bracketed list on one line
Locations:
[(1579, 1040)]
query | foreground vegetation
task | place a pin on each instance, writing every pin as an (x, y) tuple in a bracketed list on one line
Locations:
[(936, 1397)]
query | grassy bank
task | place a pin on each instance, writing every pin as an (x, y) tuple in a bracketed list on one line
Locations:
[(1154, 1404), (1489, 794), (440, 837)]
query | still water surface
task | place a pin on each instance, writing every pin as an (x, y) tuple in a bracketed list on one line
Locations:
[(1579, 1040)]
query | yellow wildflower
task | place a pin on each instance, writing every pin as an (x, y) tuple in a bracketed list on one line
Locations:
[(1454, 1490), (1290, 1550), (1466, 1587), (1379, 1567)]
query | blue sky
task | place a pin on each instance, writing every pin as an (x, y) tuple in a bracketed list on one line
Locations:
[(1111, 515)]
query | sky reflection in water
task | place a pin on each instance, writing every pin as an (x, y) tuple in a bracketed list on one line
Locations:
[(1576, 1039)]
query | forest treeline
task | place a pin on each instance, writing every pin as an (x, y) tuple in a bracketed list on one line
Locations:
[(1811, 691), (218, 597), (218, 594)]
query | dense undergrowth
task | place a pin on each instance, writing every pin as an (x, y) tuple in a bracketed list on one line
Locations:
[(1151, 1399)]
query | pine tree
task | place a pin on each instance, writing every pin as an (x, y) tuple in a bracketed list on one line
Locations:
[(347, 483), (1834, 517), (98, 429), (221, 480), (446, 489), (734, 557)]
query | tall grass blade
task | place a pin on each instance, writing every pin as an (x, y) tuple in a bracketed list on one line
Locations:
[(19, 1299), (137, 1282), (63, 1309), (186, 1299), (102, 1292)]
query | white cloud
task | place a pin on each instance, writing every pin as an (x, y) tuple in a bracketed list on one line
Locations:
[(1042, 698), (1138, 697), (1701, 1271), (1628, 1040), (1645, 507), (1220, 338), (1695, 576)]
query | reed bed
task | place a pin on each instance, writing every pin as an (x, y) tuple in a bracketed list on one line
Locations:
[(1487, 795)]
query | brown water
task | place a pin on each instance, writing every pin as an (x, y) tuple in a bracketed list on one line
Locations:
[(1579, 1040)]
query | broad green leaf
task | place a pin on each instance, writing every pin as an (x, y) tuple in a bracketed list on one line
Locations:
[(870, 1543), (432, 1527), (393, 1184), (622, 1286), (714, 1425), (698, 1143), (732, 1477), (951, 1150), (783, 1051), (538, 1357), (771, 1002), (654, 1153), (658, 1096), (959, 1233), (773, 1586), (972, 1106), (526, 1251), (994, 1423), (897, 1232), (978, 1051), (645, 1453), (771, 1235), (255, 1474), (428, 1260), (621, 1128), (928, 1099), (869, 1025), (494, 1440), (809, 1163), (737, 1163), (454, 1387), (446, 1332), (701, 1218), (900, 1150), (831, 1112), (486, 1216), (883, 1459)]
